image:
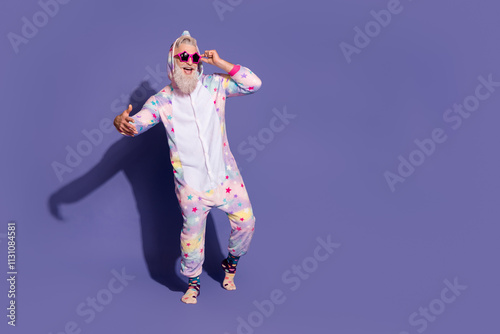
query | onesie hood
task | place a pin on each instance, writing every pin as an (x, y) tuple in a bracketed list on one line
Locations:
[(171, 53)]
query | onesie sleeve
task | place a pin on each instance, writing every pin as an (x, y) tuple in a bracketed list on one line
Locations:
[(148, 116), (239, 81)]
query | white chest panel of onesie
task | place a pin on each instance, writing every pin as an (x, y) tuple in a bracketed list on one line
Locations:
[(198, 138)]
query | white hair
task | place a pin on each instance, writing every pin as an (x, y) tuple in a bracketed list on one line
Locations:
[(185, 40)]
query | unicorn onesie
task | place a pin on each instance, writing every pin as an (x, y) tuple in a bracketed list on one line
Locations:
[(206, 175)]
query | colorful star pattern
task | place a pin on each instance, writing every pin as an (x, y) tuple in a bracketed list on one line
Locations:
[(231, 195)]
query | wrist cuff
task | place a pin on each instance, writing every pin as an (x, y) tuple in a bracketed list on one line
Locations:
[(234, 70)]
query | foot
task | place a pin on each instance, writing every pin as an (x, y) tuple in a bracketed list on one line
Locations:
[(228, 283), (190, 297)]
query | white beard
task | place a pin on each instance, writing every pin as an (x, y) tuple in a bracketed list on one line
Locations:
[(186, 83)]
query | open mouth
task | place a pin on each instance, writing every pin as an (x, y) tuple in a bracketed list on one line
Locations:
[(188, 70)]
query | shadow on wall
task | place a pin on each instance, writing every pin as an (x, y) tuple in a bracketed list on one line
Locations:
[(145, 160)]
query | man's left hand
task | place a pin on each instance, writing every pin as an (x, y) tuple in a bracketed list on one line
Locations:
[(212, 57)]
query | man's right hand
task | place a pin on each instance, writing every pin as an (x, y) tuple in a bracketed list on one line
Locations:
[(122, 124)]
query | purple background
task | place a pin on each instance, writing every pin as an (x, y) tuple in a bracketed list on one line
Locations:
[(322, 175)]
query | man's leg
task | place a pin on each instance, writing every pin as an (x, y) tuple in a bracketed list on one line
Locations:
[(194, 213), (238, 208)]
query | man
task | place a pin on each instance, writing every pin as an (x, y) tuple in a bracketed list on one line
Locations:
[(192, 109)]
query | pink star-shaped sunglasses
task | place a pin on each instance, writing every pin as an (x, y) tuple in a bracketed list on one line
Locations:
[(184, 57)]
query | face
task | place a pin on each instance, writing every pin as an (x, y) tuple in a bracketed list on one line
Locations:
[(185, 76), (188, 68)]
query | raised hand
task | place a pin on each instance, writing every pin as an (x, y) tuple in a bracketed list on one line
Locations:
[(211, 57)]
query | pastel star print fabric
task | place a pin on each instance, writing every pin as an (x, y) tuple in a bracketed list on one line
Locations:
[(231, 196)]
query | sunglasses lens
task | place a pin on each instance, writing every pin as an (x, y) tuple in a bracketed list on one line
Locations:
[(196, 58), (184, 56)]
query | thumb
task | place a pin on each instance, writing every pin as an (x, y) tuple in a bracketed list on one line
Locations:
[(129, 109)]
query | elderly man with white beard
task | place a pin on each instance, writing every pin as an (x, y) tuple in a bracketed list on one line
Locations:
[(206, 176)]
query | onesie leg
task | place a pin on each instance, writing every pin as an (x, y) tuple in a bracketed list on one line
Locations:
[(194, 212), (238, 208)]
